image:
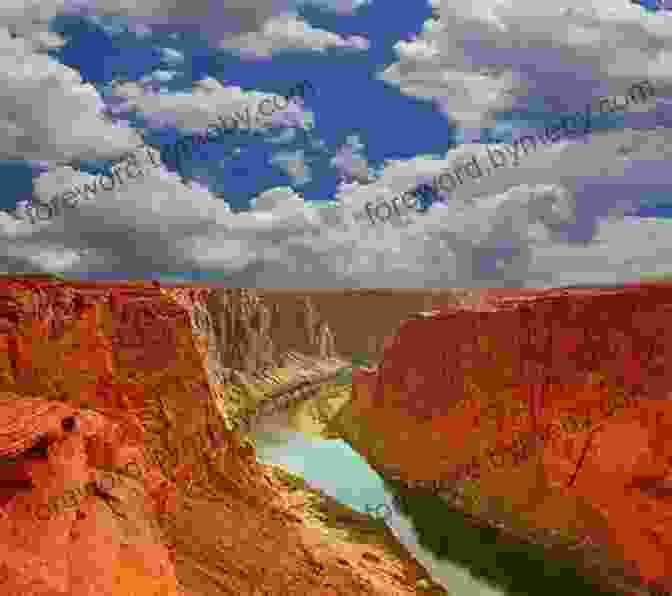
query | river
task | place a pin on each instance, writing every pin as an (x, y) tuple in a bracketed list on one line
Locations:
[(334, 467), (464, 559)]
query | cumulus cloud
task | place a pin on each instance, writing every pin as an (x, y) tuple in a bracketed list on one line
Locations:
[(476, 59), (47, 113), (214, 19), (529, 230), (76, 124), (23, 16), (560, 216), (289, 32), (208, 101), (155, 208)]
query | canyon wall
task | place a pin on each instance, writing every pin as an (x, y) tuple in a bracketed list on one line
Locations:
[(254, 333), (122, 468), (359, 320), (555, 406)]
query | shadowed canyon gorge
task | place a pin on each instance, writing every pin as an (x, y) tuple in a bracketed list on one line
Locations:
[(175, 379)]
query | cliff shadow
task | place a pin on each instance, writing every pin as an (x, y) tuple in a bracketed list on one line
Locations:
[(514, 566)]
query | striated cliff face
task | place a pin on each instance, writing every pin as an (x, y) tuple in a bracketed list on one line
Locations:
[(242, 325), (578, 377), (245, 328), (122, 466), (358, 320)]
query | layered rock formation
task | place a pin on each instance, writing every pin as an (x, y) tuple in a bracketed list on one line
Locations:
[(358, 320), (309, 378), (245, 326), (243, 330), (97, 376), (580, 374)]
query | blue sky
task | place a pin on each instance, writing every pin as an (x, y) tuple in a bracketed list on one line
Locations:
[(404, 91), (654, 5), (388, 123)]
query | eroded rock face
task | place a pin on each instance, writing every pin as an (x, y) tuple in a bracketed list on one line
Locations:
[(127, 352), (245, 329), (95, 377), (580, 371), (57, 507), (358, 320)]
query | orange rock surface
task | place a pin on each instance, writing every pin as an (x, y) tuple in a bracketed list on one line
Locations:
[(590, 364), (95, 375)]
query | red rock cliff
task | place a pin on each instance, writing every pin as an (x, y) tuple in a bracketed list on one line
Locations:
[(97, 376), (578, 375)]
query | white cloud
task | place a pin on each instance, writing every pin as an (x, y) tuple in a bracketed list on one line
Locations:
[(289, 32), (22, 15), (214, 19), (47, 113), (517, 233), (552, 219), (208, 101), (479, 58)]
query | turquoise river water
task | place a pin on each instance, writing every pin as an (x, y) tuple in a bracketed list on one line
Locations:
[(465, 560)]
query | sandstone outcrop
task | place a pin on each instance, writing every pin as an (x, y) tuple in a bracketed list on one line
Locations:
[(358, 320), (56, 537), (580, 374), (97, 376), (245, 328)]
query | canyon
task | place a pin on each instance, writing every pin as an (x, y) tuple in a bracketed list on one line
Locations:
[(96, 375), (600, 490)]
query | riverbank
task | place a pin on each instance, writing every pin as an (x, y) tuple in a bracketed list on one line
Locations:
[(458, 382), (356, 528), (163, 377), (489, 533), (338, 471)]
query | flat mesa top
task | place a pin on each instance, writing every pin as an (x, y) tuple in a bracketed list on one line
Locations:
[(499, 299)]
